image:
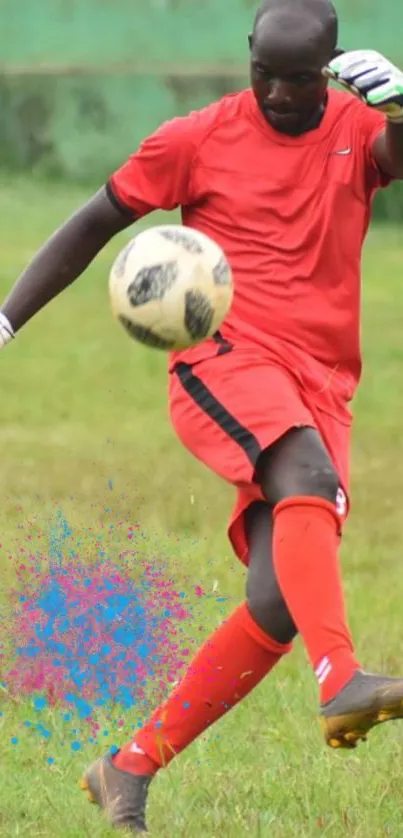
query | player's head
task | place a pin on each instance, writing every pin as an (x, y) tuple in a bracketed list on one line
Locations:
[(291, 42)]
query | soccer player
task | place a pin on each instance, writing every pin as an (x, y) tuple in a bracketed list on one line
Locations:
[(282, 176)]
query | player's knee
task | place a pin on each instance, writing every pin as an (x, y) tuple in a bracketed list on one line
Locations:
[(298, 465), (311, 479), (321, 481), (270, 612)]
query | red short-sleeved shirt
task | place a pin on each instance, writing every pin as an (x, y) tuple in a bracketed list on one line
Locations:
[(291, 215)]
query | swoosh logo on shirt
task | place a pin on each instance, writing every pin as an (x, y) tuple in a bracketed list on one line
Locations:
[(343, 151)]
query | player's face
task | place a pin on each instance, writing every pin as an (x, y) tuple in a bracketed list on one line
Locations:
[(288, 83)]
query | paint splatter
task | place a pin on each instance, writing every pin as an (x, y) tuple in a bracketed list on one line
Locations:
[(89, 634)]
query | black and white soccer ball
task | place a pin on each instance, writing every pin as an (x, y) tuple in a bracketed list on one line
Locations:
[(171, 287)]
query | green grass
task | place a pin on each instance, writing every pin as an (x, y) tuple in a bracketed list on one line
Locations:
[(81, 406)]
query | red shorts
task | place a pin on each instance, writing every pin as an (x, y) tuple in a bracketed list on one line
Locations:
[(227, 409)]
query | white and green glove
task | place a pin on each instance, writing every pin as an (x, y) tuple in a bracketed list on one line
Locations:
[(6, 330), (371, 77)]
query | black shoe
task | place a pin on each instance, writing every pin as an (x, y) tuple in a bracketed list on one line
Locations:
[(366, 701), (123, 796)]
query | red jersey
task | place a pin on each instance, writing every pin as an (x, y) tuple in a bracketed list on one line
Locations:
[(291, 214)]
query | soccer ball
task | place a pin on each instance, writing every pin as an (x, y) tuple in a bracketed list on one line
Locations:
[(171, 287)]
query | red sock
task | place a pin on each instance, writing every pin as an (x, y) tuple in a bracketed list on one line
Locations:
[(233, 661), (305, 548)]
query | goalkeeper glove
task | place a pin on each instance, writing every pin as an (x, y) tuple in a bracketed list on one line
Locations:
[(371, 77), (6, 330)]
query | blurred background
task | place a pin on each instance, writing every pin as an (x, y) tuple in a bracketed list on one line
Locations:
[(83, 81), (89, 459)]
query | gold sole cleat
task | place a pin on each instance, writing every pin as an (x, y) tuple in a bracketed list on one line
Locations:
[(365, 702)]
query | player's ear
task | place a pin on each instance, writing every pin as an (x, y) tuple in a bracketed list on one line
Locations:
[(250, 40)]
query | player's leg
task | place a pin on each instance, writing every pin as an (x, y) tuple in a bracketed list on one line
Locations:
[(300, 482), (234, 659), (265, 600), (237, 656)]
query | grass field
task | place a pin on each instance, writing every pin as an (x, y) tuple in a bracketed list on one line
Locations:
[(82, 406)]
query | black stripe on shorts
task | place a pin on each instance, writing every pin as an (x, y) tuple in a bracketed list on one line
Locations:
[(205, 399), (225, 345)]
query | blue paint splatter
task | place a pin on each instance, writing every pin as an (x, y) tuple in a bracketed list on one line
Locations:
[(92, 637), (89, 635)]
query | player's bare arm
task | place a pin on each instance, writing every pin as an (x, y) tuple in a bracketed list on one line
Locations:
[(388, 150), (373, 78), (63, 258)]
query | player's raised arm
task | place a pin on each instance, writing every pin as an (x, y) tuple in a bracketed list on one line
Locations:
[(62, 259)]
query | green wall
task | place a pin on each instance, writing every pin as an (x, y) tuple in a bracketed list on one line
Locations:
[(82, 81), (151, 32)]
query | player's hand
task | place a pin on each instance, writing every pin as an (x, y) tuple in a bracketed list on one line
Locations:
[(370, 75)]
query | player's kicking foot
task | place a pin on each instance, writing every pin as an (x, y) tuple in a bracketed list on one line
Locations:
[(121, 795), (367, 700)]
